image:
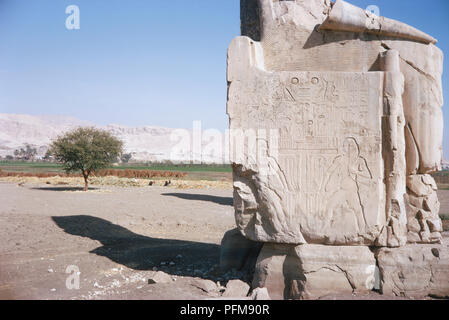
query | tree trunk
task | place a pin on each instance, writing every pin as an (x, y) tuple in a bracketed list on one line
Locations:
[(86, 184)]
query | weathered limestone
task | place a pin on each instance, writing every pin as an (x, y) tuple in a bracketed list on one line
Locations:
[(423, 222), (159, 277), (236, 288), (346, 17), (207, 286), (415, 270), (325, 184), (270, 88), (312, 271), (260, 294), (336, 126), (290, 41), (394, 233)]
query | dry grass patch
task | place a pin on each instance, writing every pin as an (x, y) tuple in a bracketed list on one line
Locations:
[(117, 182)]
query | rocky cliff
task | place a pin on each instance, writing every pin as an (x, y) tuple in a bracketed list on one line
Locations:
[(148, 143)]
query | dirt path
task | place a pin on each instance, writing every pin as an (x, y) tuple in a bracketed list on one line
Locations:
[(115, 236)]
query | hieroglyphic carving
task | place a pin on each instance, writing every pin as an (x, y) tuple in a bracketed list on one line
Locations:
[(348, 173), (339, 177), (330, 157)]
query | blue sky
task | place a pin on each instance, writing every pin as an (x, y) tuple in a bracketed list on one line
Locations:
[(143, 62)]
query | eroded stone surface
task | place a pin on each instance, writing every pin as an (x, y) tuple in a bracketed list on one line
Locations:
[(325, 183), (236, 288), (290, 40), (415, 270), (159, 277), (260, 294), (295, 44), (312, 271), (336, 126), (270, 272), (206, 285), (423, 207)]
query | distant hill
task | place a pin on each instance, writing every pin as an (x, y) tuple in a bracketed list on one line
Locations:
[(146, 143)]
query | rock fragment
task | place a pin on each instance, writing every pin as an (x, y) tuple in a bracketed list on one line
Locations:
[(159, 277)]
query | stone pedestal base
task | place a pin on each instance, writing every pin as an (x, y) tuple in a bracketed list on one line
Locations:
[(312, 271), (415, 270)]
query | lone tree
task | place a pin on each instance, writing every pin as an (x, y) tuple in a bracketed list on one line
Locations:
[(86, 150)]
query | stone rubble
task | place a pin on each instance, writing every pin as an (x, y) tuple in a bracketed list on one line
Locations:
[(236, 288), (159, 277)]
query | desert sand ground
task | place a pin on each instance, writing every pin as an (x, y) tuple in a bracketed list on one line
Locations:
[(116, 236)]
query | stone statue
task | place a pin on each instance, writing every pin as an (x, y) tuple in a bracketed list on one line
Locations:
[(342, 126)]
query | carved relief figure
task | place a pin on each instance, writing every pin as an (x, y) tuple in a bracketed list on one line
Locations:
[(343, 181)]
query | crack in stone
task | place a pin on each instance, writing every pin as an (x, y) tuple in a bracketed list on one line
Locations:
[(344, 272), (416, 145), (411, 64)]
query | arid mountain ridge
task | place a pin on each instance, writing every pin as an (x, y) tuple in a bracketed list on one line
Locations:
[(146, 143)]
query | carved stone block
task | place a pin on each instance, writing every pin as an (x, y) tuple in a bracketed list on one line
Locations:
[(313, 271)]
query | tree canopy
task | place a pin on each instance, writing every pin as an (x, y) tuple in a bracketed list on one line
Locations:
[(87, 150)]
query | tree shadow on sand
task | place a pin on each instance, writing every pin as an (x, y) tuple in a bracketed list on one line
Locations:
[(73, 189), (224, 201), (140, 252)]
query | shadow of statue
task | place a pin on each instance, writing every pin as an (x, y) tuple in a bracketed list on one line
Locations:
[(68, 189), (140, 252), (224, 201)]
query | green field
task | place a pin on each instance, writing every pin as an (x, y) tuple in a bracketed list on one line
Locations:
[(52, 167), (195, 171), (35, 167), (183, 167)]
